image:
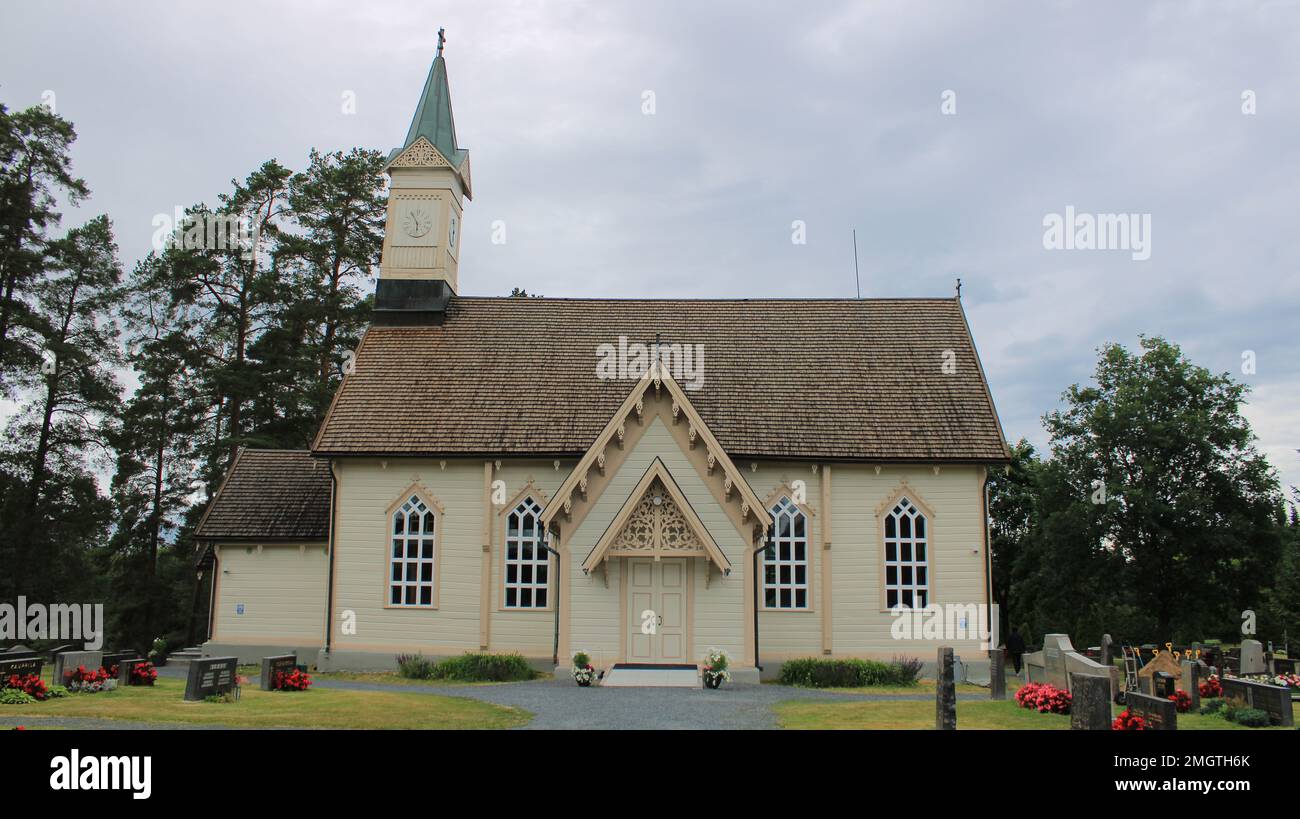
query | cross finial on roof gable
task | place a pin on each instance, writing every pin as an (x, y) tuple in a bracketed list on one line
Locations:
[(442, 39)]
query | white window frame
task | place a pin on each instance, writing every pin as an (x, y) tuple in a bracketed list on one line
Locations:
[(529, 561), (780, 554), (910, 563), (413, 555)]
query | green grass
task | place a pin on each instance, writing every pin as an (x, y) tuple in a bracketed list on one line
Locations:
[(922, 687), (1002, 715), (314, 708)]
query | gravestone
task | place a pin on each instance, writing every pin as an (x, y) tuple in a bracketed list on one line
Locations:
[(1107, 650), (1163, 684), (1089, 703), (1164, 662), (945, 694), (57, 650), (22, 666), (66, 662), (1252, 658), (210, 675), (124, 667), (18, 652), (116, 657), (1160, 714), (280, 663), (1273, 699), (1055, 647), (1191, 682), (997, 675), (1283, 665)]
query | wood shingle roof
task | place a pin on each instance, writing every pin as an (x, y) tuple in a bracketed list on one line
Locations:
[(271, 494), (798, 378)]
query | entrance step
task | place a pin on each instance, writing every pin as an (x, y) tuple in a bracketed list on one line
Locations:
[(644, 675)]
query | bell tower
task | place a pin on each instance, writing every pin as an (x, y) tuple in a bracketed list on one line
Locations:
[(428, 183)]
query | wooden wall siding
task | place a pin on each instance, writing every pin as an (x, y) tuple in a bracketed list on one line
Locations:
[(861, 626), (282, 588), (595, 616)]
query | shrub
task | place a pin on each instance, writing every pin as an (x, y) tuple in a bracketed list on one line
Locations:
[(484, 668), (1182, 701), (1212, 706), (820, 672), (295, 680), (15, 696), (414, 666), (1211, 687), (1128, 721), (1249, 717), (1044, 698), (84, 681), (29, 684), (143, 674)]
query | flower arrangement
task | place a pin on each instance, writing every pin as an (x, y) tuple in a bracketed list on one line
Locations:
[(296, 680), (1128, 721), (715, 671), (583, 673), (143, 674), (1211, 688), (84, 681), (1044, 698), (1182, 701), (29, 684)]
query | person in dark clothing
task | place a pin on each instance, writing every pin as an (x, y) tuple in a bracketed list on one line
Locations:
[(1016, 647)]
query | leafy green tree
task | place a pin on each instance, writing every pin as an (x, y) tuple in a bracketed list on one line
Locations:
[(35, 168), (1014, 520), (76, 394), (1158, 455)]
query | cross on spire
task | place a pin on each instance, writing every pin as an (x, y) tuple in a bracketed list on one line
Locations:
[(442, 39)]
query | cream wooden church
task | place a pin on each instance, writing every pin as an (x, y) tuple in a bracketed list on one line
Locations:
[(483, 482)]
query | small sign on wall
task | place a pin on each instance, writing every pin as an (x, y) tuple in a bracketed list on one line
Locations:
[(239, 608)]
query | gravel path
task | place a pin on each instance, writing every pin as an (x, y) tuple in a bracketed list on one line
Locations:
[(559, 704)]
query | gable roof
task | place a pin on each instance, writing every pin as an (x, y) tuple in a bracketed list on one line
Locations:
[(843, 379), (659, 473), (270, 494)]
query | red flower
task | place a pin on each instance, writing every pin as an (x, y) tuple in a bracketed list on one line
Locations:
[(1182, 701), (1211, 687), (1128, 721)]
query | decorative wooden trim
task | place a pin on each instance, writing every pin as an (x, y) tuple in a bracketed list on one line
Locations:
[(656, 471), (615, 431), (485, 574), (828, 640)]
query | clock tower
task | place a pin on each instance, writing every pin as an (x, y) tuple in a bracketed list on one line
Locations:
[(428, 182)]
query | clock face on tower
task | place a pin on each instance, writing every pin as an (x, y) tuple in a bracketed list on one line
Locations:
[(451, 232), (417, 223)]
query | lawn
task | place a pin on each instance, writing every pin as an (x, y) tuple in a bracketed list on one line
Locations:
[(922, 688), (393, 678), (315, 708), (978, 715)]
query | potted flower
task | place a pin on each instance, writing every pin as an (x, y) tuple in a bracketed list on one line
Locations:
[(715, 670), (583, 674), (1128, 721)]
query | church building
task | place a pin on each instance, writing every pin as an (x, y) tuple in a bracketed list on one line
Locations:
[(644, 480)]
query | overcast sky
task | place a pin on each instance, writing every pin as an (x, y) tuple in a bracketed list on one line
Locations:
[(829, 113)]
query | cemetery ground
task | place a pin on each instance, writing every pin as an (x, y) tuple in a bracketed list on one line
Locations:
[(380, 700)]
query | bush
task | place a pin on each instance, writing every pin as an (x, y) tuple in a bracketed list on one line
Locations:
[(484, 668), (1211, 687), (1249, 717), (29, 684), (295, 680), (1182, 701), (15, 696), (816, 672), (414, 666), (1044, 698), (1212, 707), (1128, 721)]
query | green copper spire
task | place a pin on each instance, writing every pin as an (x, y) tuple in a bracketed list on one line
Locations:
[(433, 119)]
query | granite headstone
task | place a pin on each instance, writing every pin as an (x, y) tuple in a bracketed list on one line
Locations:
[(1160, 714), (210, 675), (1275, 700), (65, 662), (1252, 658), (1089, 703), (272, 665)]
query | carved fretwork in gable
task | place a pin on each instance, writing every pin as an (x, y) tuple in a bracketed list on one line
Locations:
[(421, 154), (657, 527)]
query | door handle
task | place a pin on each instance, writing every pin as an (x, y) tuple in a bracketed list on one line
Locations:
[(661, 619)]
